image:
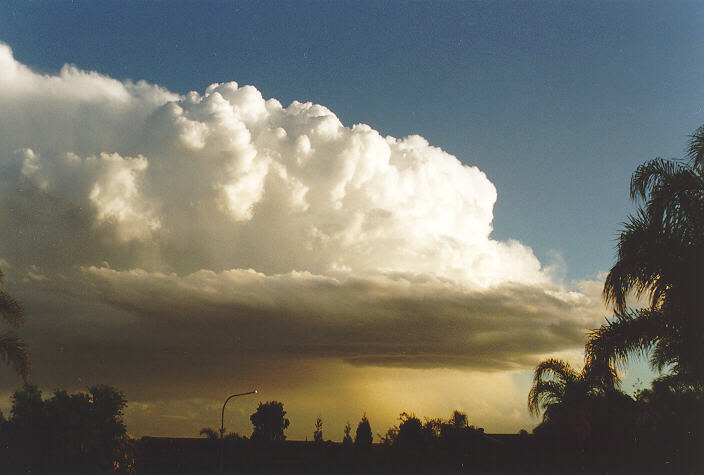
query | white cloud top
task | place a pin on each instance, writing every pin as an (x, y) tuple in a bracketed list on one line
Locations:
[(228, 179)]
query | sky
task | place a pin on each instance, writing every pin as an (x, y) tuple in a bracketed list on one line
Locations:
[(351, 206)]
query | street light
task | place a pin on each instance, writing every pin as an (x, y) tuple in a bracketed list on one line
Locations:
[(222, 424)]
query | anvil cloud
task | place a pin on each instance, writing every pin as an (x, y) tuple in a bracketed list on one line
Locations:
[(224, 223)]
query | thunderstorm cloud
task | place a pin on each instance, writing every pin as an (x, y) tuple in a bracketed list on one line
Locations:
[(151, 235)]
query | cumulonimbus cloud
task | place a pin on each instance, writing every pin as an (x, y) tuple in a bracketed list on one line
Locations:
[(225, 213)]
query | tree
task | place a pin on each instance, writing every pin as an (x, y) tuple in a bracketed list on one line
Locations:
[(68, 433), (661, 256), (269, 422), (13, 349), (209, 433), (212, 434), (363, 436), (318, 432), (413, 434), (458, 419), (347, 439), (456, 435), (569, 398), (670, 418), (453, 435)]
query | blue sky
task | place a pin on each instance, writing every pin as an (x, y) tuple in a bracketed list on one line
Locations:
[(147, 229), (556, 101)]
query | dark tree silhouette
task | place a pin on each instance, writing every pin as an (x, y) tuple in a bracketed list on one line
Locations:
[(13, 349), (318, 432), (670, 418), (459, 419), (212, 434), (412, 434), (363, 436), (347, 439), (68, 433), (269, 422), (209, 433), (661, 255), (569, 398)]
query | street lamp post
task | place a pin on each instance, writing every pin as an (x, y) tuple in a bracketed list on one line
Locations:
[(222, 425)]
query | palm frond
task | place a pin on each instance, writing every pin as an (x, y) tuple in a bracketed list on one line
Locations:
[(664, 354), (14, 352), (632, 331), (695, 150), (10, 310), (209, 433), (641, 254), (675, 198), (553, 367), (544, 393), (600, 375), (650, 174)]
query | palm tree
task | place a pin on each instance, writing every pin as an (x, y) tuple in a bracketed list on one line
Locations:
[(211, 434), (661, 256), (565, 396), (12, 349)]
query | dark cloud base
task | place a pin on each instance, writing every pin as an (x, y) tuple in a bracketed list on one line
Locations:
[(151, 332)]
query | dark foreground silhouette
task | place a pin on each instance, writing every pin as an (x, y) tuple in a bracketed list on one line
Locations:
[(83, 433), (489, 454), (80, 433)]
